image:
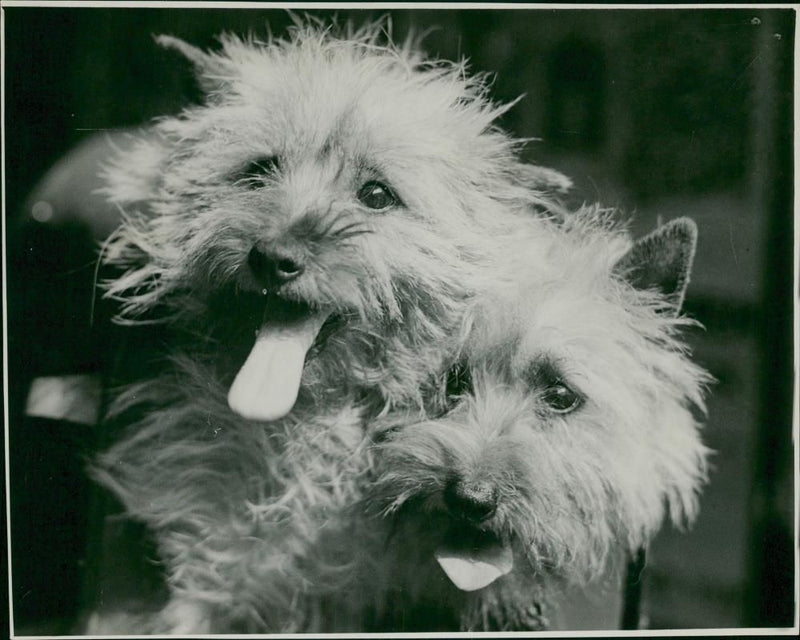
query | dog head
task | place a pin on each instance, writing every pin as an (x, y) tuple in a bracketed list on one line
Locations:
[(577, 433), (346, 183)]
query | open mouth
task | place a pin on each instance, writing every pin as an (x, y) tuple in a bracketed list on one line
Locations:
[(266, 386), (474, 559)]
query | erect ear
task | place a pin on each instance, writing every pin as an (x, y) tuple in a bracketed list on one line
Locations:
[(662, 260), (210, 70)]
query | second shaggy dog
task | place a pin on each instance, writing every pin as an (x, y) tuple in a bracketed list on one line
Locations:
[(576, 439)]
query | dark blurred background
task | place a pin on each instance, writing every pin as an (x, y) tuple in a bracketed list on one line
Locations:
[(663, 113)]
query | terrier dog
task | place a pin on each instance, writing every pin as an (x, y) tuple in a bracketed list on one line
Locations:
[(339, 199), (332, 196), (575, 436)]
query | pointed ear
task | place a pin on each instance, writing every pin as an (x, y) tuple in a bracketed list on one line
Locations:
[(210, 71), (662, 260)]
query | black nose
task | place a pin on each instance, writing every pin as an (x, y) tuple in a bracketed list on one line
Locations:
[(274, 267), (475, 501)]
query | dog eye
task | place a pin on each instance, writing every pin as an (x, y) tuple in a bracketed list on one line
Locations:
[(544, 378), (377, 195), (253, 173), (561, 399)]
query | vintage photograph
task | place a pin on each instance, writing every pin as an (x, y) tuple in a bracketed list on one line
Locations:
[(435, 318)]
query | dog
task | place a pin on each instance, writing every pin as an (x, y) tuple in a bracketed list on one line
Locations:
[(574, 433), (339, 200), (332, 196)]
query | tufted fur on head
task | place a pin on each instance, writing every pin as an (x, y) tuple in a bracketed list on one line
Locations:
[(332, 189), (341, 200), (576, 437)]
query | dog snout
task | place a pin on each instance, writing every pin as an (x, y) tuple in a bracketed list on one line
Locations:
[(274, 266), (475, 500)]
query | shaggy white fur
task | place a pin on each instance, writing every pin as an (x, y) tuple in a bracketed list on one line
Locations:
[(238, 509), (331, 195), (579, 435), (285, 155), (580, 421), (407, 229)]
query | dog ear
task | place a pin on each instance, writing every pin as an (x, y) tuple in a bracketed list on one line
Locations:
[(210, 70), (662, 260)]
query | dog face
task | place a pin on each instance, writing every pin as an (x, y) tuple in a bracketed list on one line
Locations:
[(346, 184), (577, 435)]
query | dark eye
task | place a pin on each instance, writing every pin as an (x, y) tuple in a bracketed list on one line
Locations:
[(377, 195), (252, 174), (544, 378), (561, 399)]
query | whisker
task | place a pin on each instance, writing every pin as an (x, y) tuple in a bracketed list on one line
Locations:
[(352, 234), (352, 229), (329, 220), (101, 255)]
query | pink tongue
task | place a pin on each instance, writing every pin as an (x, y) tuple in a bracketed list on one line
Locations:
[(267, 384), (478, 569)]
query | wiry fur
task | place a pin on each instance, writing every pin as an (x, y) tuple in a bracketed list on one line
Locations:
[(573, 490), (248, 516), (337, 113), (238, 509), (265, 527), (309, 527)]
